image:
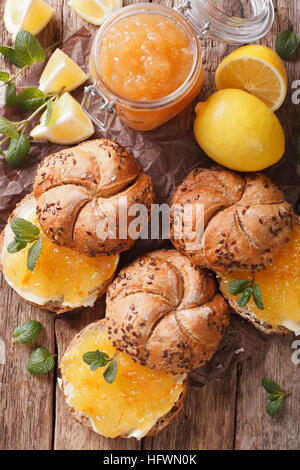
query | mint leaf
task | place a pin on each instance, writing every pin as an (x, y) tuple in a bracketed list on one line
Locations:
[(16, 246), (95, 365), (17, 151), (110, 372), (257, 296), (90, 357), (245, 297), (270, 386), (286, 44), (34, 254), (4, 76), (8, 128), (27, 331), (237, 287), (96, 359), (24, 230), (28, 50), (10, 94), (49, 113), (274, 406), (30, 99), (10, 54), (41, 361)]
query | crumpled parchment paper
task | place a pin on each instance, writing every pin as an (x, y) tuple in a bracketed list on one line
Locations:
[(167, 154)]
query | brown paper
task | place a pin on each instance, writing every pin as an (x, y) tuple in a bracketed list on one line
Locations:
[(167, 154)]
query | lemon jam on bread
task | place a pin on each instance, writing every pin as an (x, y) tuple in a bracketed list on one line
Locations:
[(129, 407), (61, 274), (279, 284)]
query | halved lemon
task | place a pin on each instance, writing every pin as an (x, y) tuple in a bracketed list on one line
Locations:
[(95, 11), (61, 71), (31, 15), (256, 69), (68, 124)]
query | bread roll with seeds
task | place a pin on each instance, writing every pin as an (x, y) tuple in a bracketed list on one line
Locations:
[(78, 192), (246, 220), (166, 313)]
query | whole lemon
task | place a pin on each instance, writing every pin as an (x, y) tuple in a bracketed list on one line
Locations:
[(239, 131)]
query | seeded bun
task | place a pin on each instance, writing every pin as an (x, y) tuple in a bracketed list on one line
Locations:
[(78, 192), (249, 315), (55, 306), (85, 420), (166, 313), (246, 219)]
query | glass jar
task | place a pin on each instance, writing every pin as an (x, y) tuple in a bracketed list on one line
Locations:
[(196, 19)]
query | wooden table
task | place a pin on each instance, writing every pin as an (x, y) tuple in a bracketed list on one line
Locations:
[(229, 413)]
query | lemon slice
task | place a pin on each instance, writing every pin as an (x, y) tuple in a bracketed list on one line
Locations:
[(257, 70), (95, 11), (68, 124), (61, 71), (31, 15)]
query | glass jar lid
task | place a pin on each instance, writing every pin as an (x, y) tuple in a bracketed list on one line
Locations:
[(233, 21)]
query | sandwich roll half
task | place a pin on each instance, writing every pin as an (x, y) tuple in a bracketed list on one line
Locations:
[(279, 284), (137, 403), (63, 279)]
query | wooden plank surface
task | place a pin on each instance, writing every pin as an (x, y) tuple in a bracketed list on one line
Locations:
[(228, 413)]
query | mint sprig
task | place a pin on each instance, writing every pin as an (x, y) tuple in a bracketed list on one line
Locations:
[(276, 396), (26, 52), (25, 232), (96, 359), (247, 289), (287, 43)]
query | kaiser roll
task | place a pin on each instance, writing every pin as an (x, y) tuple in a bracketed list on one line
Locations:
[(79, 191), (245, 220), (166, 313)]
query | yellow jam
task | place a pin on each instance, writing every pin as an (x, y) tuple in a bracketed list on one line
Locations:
[(145, 57), (136, 399), (59, 271), (279, 283)]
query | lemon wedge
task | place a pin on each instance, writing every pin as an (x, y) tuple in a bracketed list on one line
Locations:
[(61, 71), (95, 11), (256, 69), (68, 124), (31, 15)]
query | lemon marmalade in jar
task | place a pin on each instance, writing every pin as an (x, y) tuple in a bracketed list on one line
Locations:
[(146, 59)]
